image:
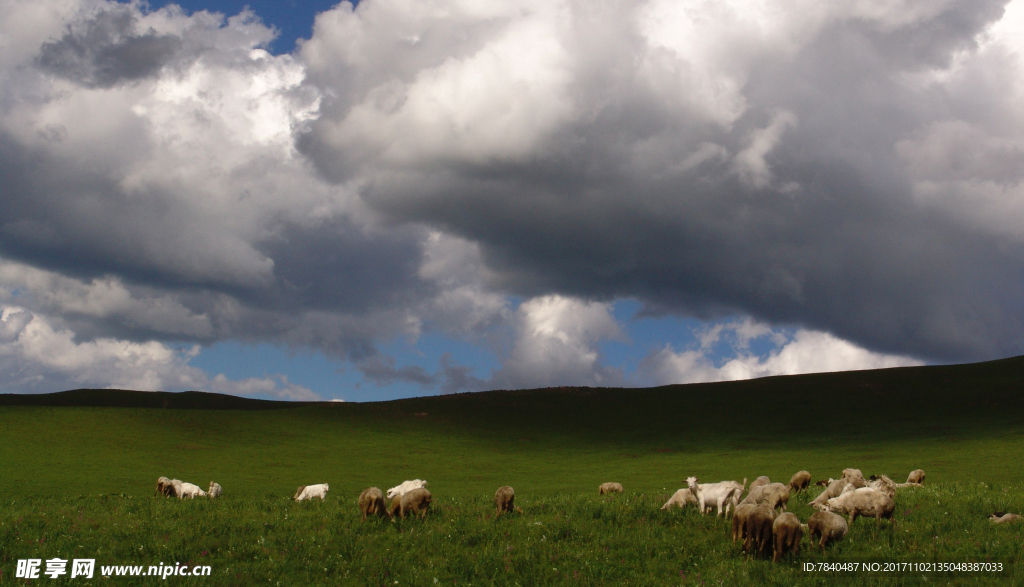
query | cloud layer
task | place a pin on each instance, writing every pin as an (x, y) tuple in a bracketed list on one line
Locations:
[(501, 174)]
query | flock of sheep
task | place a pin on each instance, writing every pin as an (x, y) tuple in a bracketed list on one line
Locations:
[(756, 520)]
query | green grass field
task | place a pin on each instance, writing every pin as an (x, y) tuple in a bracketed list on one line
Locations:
[(77, 480)]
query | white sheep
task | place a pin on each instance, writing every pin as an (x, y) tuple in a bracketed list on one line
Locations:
[(215, 490), (864, 502), (610, 487), (835, 489), (680, 499), (883, 484), (916, 476), (405, 487), (722, 494), (311, 491), (190, 491)]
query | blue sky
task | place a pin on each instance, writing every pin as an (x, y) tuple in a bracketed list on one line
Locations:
[(442, 197)]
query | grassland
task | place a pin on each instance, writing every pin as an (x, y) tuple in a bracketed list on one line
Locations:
[(70, 473)]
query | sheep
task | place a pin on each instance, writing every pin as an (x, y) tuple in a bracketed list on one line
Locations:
[(828, 527), (1002, 518), (371, 501), (739, 521), (800, 481), (416, 501), (164, 487), (190, 491), (504, 500), (864, 502), (723, 493), (406, 487), (311, 491), (788, 532), (758, 529), (850, 473), (762, 480), (395, 507), (774, 494), (609, 488), (681, 499), (916, 476), (883, 484), (215, 490), (834, 489)]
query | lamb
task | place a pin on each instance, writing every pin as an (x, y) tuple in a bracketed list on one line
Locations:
[(504, 500), (800, 481), (215, 490), (723, 493), (788, 532), (758, 529), (834, 489), (311, 491), (681, 499), (416, 501), (916, 476), (883, 484), (165, 487), (828, 527), (864, 502), (406, 487), (371, 501), (739, 521), (1002, 518), (609, 488), (190, 491)]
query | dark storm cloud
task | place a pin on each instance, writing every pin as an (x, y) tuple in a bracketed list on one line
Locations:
[(106, 50), (798, 211)]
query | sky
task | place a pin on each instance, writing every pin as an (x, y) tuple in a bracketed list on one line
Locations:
[(316, 201)]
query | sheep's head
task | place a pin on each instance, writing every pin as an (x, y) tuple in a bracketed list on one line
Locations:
[(691, 482)]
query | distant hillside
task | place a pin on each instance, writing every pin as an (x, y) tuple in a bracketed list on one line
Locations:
[(124, 398)]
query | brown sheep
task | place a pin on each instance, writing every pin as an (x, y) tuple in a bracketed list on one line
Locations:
[(788, 533), (762, 480), (739, 521), (800, 481), (864, 502), (609, 488), (371, 501), (1002, 518), (504, 500), (916, 476), (773, 494), (416, 501), (396, 507), (828, 527), (758, 530)]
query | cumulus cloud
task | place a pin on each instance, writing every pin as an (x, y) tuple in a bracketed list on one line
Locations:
[(415, 167), (804, 351)]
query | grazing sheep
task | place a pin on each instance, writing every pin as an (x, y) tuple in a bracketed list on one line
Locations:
[(739, 521), (681, 499), (800, 481), (311, 491), (215, 490), (883, 484), (864, 502), (762, 480), (773, 494), (395, 507), (758, 529), (504, 500), (164, 487), (788, 533), (1002, 518), (916, 476), (190, 491), (371, 501), (828, 527), (723, 493), (416, 501), (609, 488), (406, 487), (834, 489)]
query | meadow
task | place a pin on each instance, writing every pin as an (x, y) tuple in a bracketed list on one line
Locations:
[(78, 471)]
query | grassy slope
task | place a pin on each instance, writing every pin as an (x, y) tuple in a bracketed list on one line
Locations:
[(959, 423)]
